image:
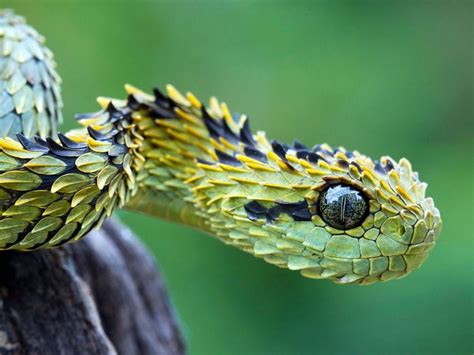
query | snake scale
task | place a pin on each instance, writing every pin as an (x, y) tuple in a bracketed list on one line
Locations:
[(326, 212)]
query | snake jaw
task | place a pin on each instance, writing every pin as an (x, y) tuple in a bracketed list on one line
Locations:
[(394, 238)]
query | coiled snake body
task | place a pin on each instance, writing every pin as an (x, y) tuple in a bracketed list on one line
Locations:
[(326, 212)]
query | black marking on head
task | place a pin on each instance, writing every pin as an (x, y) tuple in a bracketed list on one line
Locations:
[(302, 215), (218, 127), (299, 211), (314, 157), (255, 154), (246, 136), (255, 211), (30, 145), (389, 165), (274, 212), (357, 166), (302, 154), (225, 158), (255, 207), (279, 150), (212, 125), (298, 146), (229, 133), (342, 163)]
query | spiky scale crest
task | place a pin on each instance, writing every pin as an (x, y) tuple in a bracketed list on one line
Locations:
[(262, 196)]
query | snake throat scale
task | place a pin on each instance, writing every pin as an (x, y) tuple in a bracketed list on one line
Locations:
[(326, 212)]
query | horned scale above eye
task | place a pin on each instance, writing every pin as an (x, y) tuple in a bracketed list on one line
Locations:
[(326, 212)]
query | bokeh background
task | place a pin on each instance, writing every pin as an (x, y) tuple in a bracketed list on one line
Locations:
[(380, 77)]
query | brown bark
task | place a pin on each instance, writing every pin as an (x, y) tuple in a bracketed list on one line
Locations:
[(101, 295)]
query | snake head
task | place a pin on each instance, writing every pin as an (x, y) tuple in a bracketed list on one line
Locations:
[(374, 216), (328, 213)]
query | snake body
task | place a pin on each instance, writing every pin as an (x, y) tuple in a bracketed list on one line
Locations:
[(326, 212)]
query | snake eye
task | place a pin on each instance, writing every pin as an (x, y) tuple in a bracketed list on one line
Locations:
[(343, 207)]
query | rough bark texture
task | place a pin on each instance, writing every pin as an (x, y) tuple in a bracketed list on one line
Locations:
[(102, 295)]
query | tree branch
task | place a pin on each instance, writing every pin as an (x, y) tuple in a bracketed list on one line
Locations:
[(101, 295)]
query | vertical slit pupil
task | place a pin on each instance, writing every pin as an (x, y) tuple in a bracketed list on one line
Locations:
[(343, 208)]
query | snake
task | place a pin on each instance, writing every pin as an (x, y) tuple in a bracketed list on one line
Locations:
[(325, 212)]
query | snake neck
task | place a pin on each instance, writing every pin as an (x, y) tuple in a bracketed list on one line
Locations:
[(169, 139)]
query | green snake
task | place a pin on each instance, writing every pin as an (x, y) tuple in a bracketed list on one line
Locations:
[(326, 212)]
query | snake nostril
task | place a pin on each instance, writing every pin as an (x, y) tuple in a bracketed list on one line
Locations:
[(401, 230)]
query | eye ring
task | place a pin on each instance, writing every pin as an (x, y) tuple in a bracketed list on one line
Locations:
[(343, 206)]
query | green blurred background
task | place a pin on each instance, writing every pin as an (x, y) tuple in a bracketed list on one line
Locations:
[(380, 77)]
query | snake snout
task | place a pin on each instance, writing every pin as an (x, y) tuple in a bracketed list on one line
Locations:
[(423, 235)]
